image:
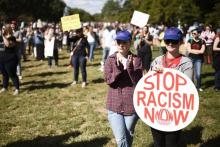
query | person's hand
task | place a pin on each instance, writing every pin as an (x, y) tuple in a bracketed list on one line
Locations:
[(87, 58), (158, 68), (119, 58), (130, 60)]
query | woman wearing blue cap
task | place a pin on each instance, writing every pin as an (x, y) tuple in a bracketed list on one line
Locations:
[(122, 71), (172, 59)]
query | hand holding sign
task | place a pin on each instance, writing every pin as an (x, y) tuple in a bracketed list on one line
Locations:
[(166, 101)]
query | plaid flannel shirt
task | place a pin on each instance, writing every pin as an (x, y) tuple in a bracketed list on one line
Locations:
[(121, 84)]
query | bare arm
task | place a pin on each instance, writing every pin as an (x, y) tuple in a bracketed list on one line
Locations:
[(215, 45)]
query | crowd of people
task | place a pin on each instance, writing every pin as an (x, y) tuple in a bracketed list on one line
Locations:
[(122, 66)]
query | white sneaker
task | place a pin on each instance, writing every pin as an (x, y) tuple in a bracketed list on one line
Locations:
[(83, 84), (2, 90), (101, 69), (74, 83), (200, 89), (16, 92), (20, 77)]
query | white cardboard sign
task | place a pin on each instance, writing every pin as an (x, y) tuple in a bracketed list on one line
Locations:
[(166, 101), (139, 19)]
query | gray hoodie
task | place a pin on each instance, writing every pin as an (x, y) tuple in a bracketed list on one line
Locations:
[(185, 65)]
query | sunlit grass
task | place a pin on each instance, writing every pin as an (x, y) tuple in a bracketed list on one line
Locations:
[(50, 112)]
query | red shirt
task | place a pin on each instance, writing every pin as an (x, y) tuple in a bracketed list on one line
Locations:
[(171, 63), (121, 84)]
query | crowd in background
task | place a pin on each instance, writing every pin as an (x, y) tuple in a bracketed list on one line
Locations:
[(41, 40)]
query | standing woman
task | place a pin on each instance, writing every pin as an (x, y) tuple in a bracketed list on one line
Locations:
[(91, 38), (80, 53), (122, 71), (216, 60), (9, 59), (196, 49), (172, 59)]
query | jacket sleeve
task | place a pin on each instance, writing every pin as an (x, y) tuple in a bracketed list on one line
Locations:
[(187, 69), (111, 71), (135, 70)]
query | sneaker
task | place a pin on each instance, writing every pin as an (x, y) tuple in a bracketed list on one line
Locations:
[(2, 90), (200, 89), (74, 83), (83, 84), (217, 89), (101, 69), (16, 92), (20, 77)]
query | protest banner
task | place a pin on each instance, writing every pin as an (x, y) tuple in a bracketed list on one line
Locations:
[(70, 22), (166, 101), (139, 19)]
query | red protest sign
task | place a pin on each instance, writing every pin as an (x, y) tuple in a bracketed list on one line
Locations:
[(166, 101)]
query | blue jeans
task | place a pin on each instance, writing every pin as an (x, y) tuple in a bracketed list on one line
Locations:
[(197, 65), (122, 127), (217, 78), (8, 69), (76, 62), (106, 51), (92, 48)]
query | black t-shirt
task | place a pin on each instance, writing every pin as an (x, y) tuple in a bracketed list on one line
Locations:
[(196, 46), (8, 53)]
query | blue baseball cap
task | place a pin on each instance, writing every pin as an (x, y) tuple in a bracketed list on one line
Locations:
[(123, 35), (173, 34)]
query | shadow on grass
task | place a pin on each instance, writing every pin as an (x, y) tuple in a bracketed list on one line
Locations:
[(215, 142), (208, 74), (192, 136), (32, 65), (34, 82), (59, 141), (47, 86), (208, 84), (50, 73), (93, 64), (99, 80)]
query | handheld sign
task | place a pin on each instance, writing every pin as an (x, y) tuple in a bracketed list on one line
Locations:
[(139, 19), (70, 22), (166, 101)]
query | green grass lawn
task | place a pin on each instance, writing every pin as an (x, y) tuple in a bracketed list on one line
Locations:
[(50, 113)]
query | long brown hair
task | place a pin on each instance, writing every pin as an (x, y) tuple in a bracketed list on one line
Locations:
[(7, 30)]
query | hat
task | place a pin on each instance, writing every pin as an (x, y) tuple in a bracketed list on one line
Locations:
[(173, 34), (123, 35)]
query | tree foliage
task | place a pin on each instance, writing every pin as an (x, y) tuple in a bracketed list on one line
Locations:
[(50, 10), (166, 11), (84, 16)]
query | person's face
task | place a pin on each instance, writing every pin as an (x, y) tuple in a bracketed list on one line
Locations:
[(207, 28), (172, 45), (195, 34), (123, 46), (13, 26)]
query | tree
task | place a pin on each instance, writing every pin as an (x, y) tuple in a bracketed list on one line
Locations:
[(49, 10), (84, 16)]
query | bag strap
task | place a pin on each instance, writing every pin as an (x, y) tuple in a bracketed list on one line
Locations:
[(77, 45)]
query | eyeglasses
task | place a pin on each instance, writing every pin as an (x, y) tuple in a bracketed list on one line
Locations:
[(171, 41)]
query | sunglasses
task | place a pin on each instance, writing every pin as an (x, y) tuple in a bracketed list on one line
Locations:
[(194, 33), (121, 42), (171, 41)]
